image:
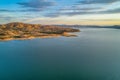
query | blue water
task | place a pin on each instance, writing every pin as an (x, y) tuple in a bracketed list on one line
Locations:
[(93, 55)]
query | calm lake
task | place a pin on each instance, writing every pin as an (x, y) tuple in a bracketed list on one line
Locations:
[(93, 55)]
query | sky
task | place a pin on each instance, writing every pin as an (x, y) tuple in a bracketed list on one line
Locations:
[(70, 12)]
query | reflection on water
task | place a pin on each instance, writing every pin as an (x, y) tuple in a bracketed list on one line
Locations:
[(94, 55)]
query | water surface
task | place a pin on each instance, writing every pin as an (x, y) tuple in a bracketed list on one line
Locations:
[(93, 55)]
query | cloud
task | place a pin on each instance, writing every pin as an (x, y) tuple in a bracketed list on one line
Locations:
[(79, 8), (96, 1), (4, 18), (73, 13), (5, 10), (112, 11), (37, 5), (31, 6), (28, 10), (111, 6)]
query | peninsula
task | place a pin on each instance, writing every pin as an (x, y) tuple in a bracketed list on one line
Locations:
[(18, 30)]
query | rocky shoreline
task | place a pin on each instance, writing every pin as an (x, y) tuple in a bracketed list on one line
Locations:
[(21, 31)]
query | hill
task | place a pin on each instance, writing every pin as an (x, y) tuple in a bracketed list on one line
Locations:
[(18, 30)]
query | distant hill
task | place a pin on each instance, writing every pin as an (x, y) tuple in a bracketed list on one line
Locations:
[(90, 26), (18, 30)]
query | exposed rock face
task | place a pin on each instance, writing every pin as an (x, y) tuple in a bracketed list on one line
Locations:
[(21, 30)]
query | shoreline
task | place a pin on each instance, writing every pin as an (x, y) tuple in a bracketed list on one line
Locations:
[(65, 34)]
